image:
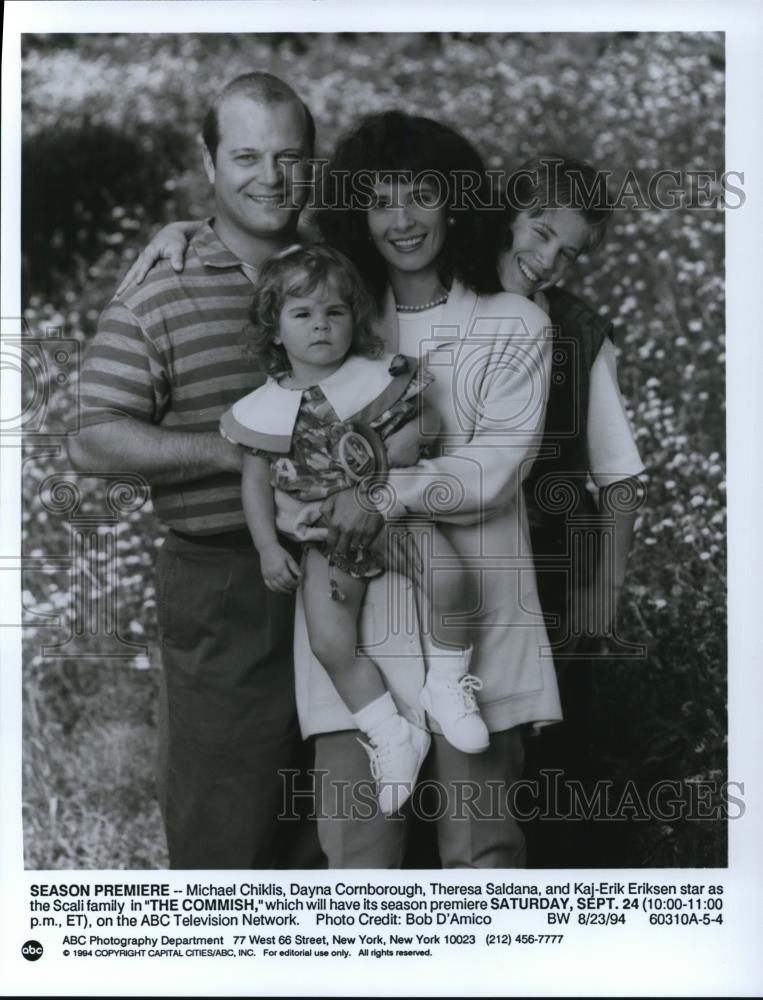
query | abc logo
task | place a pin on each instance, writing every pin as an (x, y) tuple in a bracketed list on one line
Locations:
[(31, 951)]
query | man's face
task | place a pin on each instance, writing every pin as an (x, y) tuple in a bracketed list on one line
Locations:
[(261, 154)]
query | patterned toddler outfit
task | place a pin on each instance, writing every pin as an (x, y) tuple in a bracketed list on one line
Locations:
[(300, 432)]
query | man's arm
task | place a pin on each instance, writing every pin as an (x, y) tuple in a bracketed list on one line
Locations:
[(125, 388), (161, 456)]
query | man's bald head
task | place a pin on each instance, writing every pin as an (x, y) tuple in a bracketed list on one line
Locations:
[(263, 88)]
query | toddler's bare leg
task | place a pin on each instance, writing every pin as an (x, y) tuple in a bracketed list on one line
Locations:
[(397, 748), (332, 627)]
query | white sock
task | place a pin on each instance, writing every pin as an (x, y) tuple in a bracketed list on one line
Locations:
[(376, 715), (441, 660)]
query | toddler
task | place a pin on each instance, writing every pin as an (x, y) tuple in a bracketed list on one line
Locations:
[(318, 426)]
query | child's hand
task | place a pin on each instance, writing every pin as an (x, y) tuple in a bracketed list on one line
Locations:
[(279, 571)]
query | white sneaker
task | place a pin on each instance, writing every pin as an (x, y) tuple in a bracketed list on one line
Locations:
[(396, 755), (449, 699)]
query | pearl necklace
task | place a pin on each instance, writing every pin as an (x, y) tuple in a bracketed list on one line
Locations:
[(428, 305)]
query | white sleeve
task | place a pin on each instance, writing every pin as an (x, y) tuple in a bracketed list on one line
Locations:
[(612, 450), (507, 430)]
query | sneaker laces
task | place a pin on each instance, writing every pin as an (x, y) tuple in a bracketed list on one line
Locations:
[(464, 688), (373, 759), (377, 754)]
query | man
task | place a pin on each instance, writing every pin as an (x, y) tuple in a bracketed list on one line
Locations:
[(166, 362)]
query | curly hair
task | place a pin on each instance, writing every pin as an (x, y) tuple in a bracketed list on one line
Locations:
[(298, 271), (393, 142), (552, 181)]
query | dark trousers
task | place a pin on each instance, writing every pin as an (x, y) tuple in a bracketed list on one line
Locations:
[(463, 799), (227, 722), (559, 757)]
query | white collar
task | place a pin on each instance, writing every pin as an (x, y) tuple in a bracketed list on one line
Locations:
[(355, 384), (361, 389)]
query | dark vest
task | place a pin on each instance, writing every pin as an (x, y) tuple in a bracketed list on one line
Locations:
[(555, 486)]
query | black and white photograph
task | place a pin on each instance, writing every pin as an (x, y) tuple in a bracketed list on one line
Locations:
[(365, 482)]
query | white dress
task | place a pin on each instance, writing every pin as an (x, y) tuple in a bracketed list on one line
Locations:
[(490, 357)]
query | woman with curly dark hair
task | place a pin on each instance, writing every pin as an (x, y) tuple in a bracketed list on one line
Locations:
[(446, 172), (407, 199)]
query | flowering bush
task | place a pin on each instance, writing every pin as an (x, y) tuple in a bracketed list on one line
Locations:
[(110, 153)]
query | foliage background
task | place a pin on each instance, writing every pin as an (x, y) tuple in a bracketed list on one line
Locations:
[(109, 153)]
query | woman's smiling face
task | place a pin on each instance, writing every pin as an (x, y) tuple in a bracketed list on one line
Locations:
[(542, 249), (408, 225)]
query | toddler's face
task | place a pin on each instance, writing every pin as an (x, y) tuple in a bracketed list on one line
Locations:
[(316, 329)]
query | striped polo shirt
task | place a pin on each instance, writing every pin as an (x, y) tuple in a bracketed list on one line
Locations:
[(171, 352)]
